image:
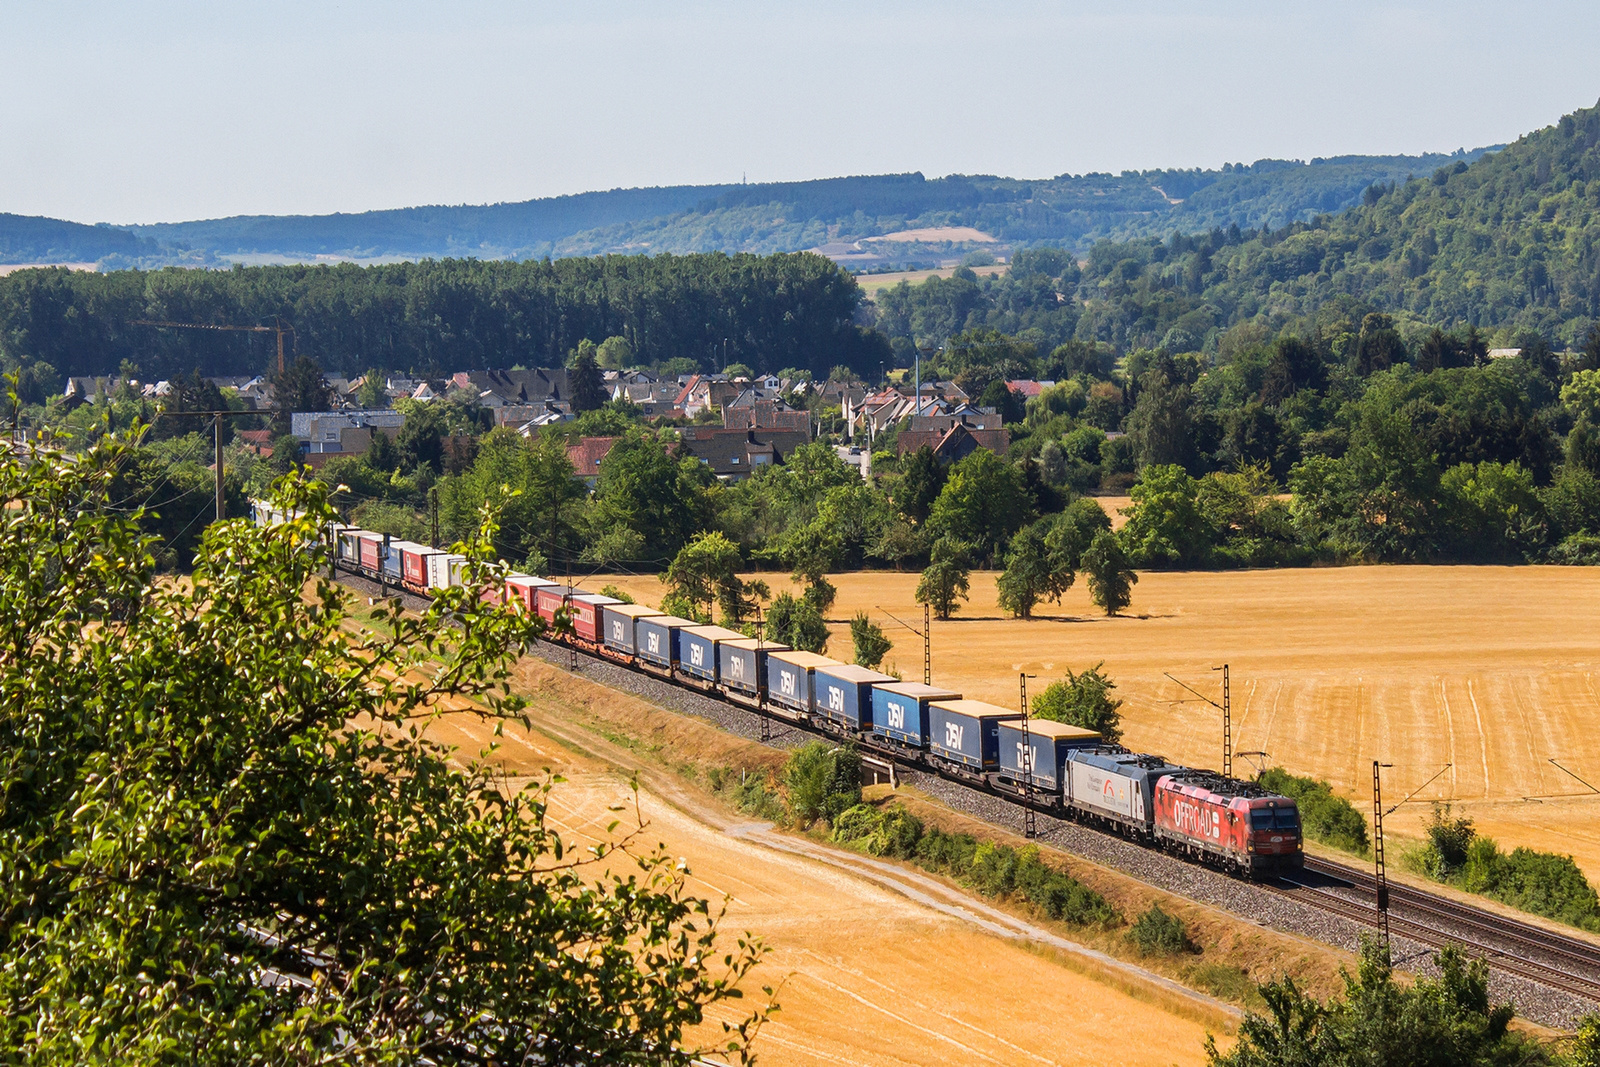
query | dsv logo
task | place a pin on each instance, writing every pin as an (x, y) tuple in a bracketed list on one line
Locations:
[(786, 683), (697, 655), (835, 698), (953, 733), (897, 716), (653, 641)]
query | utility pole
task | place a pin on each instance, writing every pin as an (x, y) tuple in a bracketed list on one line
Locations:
[(433, 508), (927, 646), (1030, 818), (572, 649), (761, 690), (1226, 707), (221, 496), (1380, 874), (1227, 725)]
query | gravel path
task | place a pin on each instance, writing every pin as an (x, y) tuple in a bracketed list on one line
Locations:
[(1264, 907)]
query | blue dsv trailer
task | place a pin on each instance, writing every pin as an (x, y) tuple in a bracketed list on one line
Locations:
[(967, 732), (789, 678), (742, 662), (618, 622), (656, 639), (900, 710), (1047, 749), (697, 650), (843, 694)]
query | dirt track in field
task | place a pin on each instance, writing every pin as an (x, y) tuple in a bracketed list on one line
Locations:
[(875, 967), (1491, 669)]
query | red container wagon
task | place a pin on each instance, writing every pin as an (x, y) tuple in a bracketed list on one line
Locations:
[(1237, 824), (413, 564), (585, 609), (370, 556), (520, 589), (549, 599)]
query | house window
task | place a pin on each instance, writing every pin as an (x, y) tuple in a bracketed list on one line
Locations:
[(735, 459)]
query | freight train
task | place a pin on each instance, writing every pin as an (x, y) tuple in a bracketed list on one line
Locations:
[(1063, 770)]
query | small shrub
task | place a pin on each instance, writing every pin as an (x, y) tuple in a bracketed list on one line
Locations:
[(822, 781), (1450, 838), (890, 832), (755, 796), (1226, 982), (1157, 933), (870, 643), (1541, 883), (616, 594)]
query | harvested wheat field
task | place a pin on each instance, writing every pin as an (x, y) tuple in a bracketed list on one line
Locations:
[(1491, 669), (879, 967)]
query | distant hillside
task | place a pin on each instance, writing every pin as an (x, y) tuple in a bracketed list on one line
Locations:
[(1507, 243), (496, 231), (1512, 239), (1069, 211), (32, 239)]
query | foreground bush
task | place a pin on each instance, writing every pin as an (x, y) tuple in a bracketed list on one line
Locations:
[(1324, 817), (822, 780), (1157, 933), (211, 782), (1437, 1022), (1541, 883)]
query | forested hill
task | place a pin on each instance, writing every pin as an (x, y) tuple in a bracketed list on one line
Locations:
[(1070, 211), (1510, 239), (32, 239), (1067, 211)]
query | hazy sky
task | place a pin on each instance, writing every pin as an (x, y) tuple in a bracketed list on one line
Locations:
[(143, 112)]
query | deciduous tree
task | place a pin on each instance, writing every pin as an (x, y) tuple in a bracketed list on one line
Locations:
[(1111, 574), (946, 579), (240, 845)]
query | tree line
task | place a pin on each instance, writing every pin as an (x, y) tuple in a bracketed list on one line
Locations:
[(436, 317)]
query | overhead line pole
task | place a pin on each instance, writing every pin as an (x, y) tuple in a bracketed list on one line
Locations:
[(1380, 872), (1030, 818)]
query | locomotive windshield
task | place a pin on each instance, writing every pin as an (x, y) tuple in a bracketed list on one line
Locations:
[(1283, 818)]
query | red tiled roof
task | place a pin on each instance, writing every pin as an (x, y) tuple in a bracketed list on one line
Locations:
[(587, 454)]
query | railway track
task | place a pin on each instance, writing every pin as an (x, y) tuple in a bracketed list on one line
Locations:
[(1524, 949), (1548, 958)]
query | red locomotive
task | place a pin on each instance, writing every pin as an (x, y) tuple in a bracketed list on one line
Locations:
[(1228, 822)]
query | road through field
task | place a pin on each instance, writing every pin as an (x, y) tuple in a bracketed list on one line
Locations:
[(1489, 669), (877, 965)]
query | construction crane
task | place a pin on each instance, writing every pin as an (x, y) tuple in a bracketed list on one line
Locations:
[(280, 329)]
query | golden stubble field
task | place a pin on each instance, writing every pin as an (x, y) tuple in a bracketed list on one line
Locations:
[(1491, 669), (868, 973)]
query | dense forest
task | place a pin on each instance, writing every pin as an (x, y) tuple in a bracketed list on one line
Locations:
[(437, 317)]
